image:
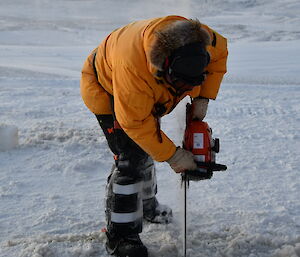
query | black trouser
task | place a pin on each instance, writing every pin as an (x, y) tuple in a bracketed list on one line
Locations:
[(131, 184)]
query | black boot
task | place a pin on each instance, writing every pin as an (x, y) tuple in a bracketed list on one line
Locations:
[(129, 246), (155, 212)]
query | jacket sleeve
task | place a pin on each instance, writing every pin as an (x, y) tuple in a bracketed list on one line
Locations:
[(134, 102), (216, 68)]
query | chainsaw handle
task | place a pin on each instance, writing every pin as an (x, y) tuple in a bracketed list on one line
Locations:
[(196, 175), (212, 166), (205, 171)]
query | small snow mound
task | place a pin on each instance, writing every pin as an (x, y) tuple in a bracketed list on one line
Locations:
[(168, 250), (288, 251), (46, 133), (8, 137), (69, 245)]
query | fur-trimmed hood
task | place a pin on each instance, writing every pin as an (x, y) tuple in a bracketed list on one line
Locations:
[(175, 35)]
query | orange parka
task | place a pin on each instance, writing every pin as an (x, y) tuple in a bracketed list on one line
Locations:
[(123, 69)]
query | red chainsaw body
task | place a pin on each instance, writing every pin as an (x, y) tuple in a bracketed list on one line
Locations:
[(198, 139)]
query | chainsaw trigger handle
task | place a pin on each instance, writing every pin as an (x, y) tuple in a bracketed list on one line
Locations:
[(196, 175), (205, 171), (212, 166)]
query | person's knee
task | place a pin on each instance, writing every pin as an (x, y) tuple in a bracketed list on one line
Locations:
[(124, 207)]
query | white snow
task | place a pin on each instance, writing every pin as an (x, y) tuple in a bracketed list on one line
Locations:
[(52, 184), (9, 137)]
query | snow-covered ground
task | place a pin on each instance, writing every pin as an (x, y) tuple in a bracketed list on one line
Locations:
[(52, 185)]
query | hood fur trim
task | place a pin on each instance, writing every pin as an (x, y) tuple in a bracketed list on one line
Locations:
[(175, 35)]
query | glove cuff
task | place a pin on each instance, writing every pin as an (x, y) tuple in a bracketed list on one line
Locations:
[(175, 157)]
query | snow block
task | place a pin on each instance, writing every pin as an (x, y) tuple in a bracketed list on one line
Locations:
[(8, 137)]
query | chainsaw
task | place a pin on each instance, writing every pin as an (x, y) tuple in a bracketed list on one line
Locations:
[(198, 140)]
